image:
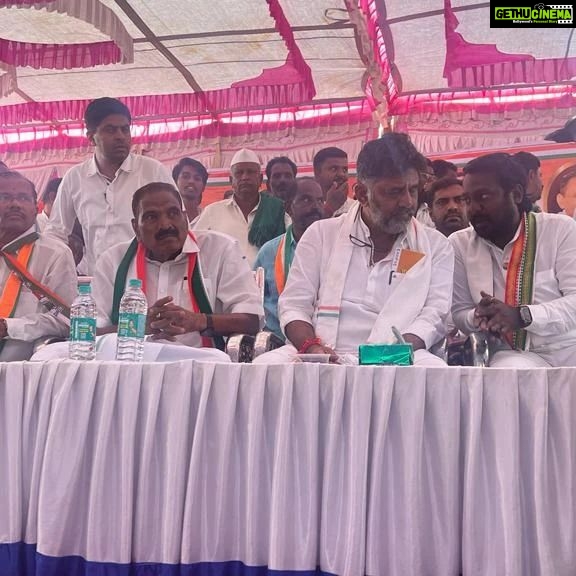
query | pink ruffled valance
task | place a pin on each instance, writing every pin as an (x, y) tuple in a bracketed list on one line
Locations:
[(248, 123)]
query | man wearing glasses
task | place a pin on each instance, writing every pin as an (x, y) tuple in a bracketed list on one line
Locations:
[(37, 273)]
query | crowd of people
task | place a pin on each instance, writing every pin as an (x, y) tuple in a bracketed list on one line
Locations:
[(416, 248)]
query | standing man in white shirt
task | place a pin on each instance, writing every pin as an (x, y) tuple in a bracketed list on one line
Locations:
[(191, 178), (515, 270), (249, 216), (356, 277), (331, 172), (32, 267), (99, 191)]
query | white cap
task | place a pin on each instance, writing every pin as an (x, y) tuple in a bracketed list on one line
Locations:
[(245, 155)]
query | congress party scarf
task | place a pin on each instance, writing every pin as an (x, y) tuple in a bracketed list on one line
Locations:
[(198, 296), (520, 275), (283, 260)]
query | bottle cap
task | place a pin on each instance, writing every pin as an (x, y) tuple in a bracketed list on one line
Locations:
[(135, 283), (84, 288)]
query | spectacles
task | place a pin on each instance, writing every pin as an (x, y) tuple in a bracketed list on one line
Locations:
[(22, 198), (359, 242)]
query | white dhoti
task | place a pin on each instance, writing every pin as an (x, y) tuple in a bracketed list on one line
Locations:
[(288, 354), (153, 352), (564, 357)]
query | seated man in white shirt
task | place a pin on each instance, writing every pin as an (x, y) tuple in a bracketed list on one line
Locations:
[(99, 191), (33, 269), (48, 199), (249, 216), (198, 286), (356, 277), (515, 271)]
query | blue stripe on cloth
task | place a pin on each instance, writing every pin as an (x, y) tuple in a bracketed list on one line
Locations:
[(21, 559)]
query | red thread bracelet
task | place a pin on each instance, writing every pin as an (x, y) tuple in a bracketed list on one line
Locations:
[(308, 343)]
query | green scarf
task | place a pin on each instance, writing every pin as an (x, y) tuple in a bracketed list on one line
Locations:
[(268, 222), (196, 286)]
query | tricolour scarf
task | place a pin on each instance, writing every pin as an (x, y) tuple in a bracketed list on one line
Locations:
[(520, 275), (283, 260), (268, 221), (198, 296)]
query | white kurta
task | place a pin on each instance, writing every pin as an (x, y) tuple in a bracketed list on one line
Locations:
[(228, 280), (52, 264), (552, 334), (103, 208), (367, 287), (227, 217), (41, 221)]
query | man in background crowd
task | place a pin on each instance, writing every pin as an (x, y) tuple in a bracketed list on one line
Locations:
[(33, 268), (99, 191), (448, 208), (249, 216), (331, 172), (305, 207), (444, 169), (191, 178), (280, 178), (534, 184), (48, 199)]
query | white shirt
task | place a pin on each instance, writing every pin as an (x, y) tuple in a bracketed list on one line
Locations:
[(227, 217), (348, 203), (554, 300), (52, 264), (41, 221), (367, 287), (103, 208), (228, 281)]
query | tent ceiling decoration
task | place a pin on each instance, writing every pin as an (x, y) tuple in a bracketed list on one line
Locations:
[(206, 70)]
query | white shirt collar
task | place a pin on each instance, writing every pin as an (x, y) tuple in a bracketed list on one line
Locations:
[(127, 165), (30, 230)]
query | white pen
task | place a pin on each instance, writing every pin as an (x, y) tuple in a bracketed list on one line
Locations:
[(398, 336)]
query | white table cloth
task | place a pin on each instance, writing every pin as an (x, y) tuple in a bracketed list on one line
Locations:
[(187, 468)]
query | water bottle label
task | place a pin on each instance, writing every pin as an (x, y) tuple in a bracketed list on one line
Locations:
[(83, 329), (131, 325)]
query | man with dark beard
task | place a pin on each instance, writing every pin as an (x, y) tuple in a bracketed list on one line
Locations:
[(356, 277), (447, 206), (515, 271), (305, 208)]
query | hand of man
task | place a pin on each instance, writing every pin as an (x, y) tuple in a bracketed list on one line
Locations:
[(3, 328), (416, 341), (495, 316), (336, 196), (174, 321), (155, 312), (321, 349)]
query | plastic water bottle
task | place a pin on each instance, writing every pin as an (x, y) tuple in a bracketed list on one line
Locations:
[(83, 325), (132, 323)]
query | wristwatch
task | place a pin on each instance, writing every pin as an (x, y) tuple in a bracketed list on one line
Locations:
[(525, 316)]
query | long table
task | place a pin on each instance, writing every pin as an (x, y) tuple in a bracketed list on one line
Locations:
[(186, 468)]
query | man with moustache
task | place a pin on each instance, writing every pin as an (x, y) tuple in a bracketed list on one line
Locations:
[(355, 277), (198, 286), (515, 271), (249, 216), (99, 191), (331, 172), (448, 211), (191, 178), (276, 256), (37, 274), (281, 178)]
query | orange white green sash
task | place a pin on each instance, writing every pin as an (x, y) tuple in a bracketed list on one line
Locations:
[(13, 286), (283, 260), (520, 275)]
